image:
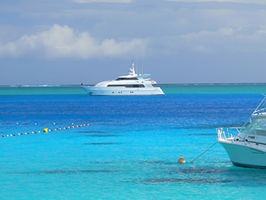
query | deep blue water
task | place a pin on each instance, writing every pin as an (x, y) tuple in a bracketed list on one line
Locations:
[(130, 151)]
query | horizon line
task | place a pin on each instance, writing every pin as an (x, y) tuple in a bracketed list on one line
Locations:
[(161, 84)]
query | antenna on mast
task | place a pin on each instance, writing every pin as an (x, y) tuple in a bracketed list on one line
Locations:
[(132, 69)]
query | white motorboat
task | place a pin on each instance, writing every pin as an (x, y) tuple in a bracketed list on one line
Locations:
[(131, 84), (248, 147)]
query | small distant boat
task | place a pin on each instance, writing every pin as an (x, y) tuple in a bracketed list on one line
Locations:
[(128, 85), (248, 147)]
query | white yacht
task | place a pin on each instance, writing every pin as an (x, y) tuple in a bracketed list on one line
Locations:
[(131, 84), (248, 147)]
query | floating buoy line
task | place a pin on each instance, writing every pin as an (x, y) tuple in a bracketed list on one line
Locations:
[(45, 130), (183, 161)]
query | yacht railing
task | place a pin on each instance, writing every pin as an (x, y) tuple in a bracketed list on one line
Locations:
[(261, 108), (259, 113), (227, 133)]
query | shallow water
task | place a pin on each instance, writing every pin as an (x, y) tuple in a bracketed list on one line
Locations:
[(130, 151)]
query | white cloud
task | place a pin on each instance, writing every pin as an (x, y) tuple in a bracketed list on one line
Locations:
[(103, 1), (62, 41), (222, 1)]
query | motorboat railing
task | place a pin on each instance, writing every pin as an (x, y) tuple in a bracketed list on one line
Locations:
[(259, 113), (228, 133), (261, 108)]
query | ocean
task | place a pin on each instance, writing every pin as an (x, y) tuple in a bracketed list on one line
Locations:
[(131, 147)]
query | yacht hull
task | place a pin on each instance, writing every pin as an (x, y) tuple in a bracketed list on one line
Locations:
[(121, 91), (244, 155)]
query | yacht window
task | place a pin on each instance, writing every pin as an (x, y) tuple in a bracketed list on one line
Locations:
[(121, 79), (135, 86), (115, 85), (128, 86)]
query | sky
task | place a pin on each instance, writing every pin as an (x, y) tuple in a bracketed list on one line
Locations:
[(58, 42)]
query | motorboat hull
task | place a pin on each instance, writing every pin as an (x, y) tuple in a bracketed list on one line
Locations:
[(122, 91), (248, 147), (244, 155)]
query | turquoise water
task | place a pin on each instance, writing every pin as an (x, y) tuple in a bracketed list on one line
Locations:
[(168, 89), (131, 149)]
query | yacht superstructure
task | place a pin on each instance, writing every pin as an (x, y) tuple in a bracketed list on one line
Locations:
[(248, 147), (131, 84)]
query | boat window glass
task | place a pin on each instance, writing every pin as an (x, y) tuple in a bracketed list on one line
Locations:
[(115, 85), (131, 78), (128, 86), (135, 86), (257, 127)]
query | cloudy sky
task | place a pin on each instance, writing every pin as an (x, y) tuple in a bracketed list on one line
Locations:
[(177, 41)]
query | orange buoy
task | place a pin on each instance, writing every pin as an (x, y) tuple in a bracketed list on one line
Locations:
[(181, 161)]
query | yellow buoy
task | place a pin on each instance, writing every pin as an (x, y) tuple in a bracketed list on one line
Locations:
[(181, 161), (45, 130)]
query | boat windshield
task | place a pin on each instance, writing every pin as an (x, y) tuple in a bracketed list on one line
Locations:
[(256, 127), (257, 124)]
